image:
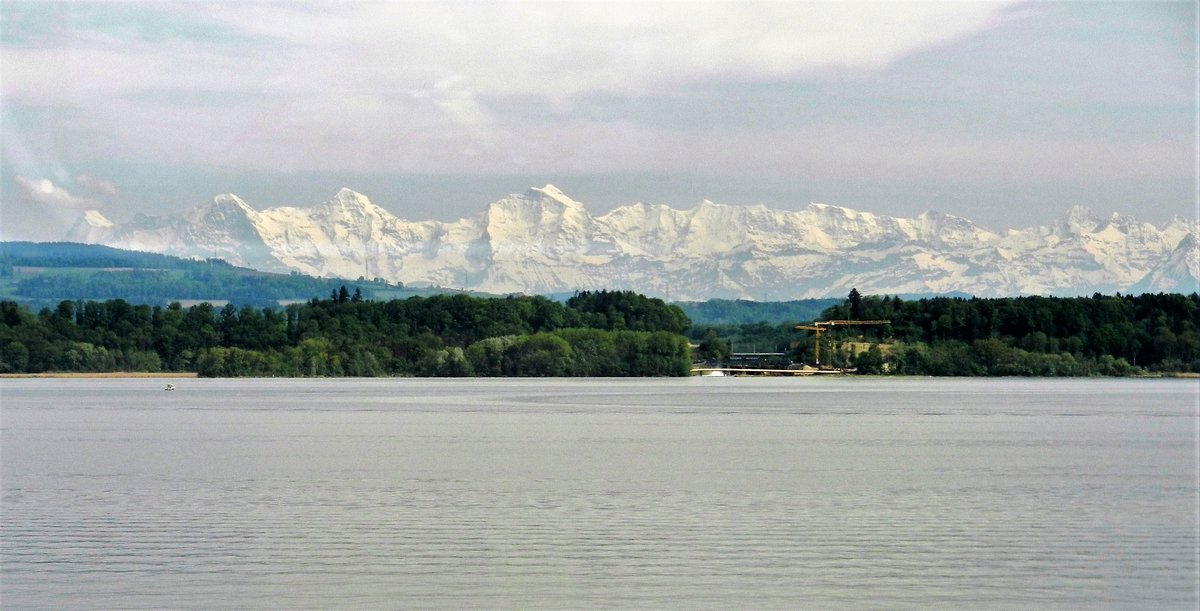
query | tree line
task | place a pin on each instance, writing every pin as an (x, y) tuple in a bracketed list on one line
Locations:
[(599, 333), (163, 286), (1025, 336)]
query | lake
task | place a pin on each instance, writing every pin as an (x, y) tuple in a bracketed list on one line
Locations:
[(631, 493)]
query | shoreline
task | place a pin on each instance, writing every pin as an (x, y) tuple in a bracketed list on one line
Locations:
[(102, 374), (192, 374)]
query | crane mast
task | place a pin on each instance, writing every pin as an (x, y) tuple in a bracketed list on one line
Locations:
[(822, 326)]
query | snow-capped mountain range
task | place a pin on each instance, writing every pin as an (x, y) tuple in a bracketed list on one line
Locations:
[(542, 241)]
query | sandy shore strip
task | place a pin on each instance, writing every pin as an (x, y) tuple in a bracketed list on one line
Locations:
[(105, 374)]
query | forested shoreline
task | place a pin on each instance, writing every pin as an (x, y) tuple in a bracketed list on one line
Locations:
[(1110, 335), (593, 334), (602, 333)]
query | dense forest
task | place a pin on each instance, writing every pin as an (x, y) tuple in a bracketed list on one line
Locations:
[(1023, 336), (593, 334), (602, 333)]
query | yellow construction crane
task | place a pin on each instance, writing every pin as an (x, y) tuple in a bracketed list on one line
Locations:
[(822, 326)]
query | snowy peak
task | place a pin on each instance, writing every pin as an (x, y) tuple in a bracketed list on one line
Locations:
[(231, 203), (230, 199), (543, 207), (946, 229), (349, 198), (552, 192), (541, 240), (226, 227), (92, 227), (1080, 220), (346, 193), (225, 213), (537, 200), (831, 211), (224, 207), (350, 204), (1186, 249), (1180, 272), (541, 223), (835, 227), (95, 218)]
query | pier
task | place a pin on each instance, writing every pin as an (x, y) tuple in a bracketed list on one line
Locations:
[(721, 371)]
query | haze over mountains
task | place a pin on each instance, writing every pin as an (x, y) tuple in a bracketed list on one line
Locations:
[(542, 241)]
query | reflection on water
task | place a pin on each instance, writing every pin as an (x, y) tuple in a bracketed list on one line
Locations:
[(598, 493)]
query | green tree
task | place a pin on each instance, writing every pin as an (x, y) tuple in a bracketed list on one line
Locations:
[(14, 357), (855, 303), (712, 348), (870, 361), (538, 355)]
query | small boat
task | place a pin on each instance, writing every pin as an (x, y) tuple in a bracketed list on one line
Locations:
[(169, 387)]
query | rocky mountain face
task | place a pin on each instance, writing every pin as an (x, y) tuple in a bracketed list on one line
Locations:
[(542, 241)]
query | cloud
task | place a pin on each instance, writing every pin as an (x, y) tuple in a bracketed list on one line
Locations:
[(283, 82), (552, 49), (907, 91), (556, 49), (45, 192), (562, 49), (96, 185)]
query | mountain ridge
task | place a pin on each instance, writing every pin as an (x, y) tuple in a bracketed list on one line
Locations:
[(543, 241)]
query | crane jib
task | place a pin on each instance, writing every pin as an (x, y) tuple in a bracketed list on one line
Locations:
[(821, 326)]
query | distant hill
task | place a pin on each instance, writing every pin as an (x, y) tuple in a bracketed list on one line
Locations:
[(742, 312), (42, 274), (70, 254)]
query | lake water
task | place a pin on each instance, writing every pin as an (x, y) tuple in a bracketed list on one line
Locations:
[(703, 492)]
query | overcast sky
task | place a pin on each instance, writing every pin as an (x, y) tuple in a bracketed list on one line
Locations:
[(1005, 113)]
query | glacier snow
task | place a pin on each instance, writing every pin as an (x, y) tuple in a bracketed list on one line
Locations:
[(542, 241)]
